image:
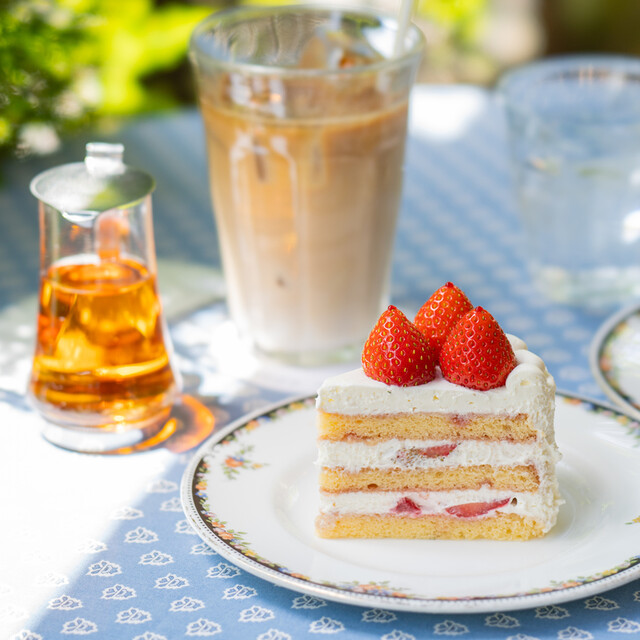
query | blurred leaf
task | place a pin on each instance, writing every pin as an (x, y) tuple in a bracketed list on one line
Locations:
[(461, 18), (135, 42), (65, 62)]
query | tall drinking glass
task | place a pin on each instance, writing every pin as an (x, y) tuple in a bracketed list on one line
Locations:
[(574, 124), (305, 112)]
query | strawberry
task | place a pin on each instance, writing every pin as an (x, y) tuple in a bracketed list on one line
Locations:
[(406, 506), (439, 451), (477, 353), (414, 454), (475, 509), (439, 314), (397, 353)]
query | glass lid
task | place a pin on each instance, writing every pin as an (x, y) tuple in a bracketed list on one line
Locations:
[(100, 183)]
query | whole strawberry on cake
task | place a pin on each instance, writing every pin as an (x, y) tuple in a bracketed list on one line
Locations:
[(445, 432)]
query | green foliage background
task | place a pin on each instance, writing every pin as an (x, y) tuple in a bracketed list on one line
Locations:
[(65, 63)]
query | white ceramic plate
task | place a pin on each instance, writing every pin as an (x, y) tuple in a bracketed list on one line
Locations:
[(615, 359), (251, 493)]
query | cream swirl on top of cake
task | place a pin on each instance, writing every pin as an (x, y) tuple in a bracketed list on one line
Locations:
[(527, 390)]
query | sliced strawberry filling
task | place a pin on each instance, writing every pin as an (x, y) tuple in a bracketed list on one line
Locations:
[(440, 451), (475, 509), (406, 506), (413, 456)]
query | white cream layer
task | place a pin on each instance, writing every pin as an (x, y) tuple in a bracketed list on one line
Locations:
[(529, 389), (542, 505), (404, 454)]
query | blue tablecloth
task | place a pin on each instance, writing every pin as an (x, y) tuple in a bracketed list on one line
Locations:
[(99, 546)]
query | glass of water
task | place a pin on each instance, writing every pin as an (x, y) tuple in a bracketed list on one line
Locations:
[(574, 125)]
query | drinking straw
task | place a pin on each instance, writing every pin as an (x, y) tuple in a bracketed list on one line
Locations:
[(404, 18)]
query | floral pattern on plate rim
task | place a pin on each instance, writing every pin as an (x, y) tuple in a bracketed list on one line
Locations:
[(236, 539), (632, 426)]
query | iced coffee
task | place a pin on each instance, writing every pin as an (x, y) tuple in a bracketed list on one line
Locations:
[(305, 158)]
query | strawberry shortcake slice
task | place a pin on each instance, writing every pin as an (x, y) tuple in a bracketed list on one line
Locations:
[(445, 432)]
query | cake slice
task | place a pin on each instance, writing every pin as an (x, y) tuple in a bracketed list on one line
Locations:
[(432, 458)]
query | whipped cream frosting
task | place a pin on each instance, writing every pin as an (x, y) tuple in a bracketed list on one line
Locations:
[(397, 454), (529, 389), (542, 505)]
